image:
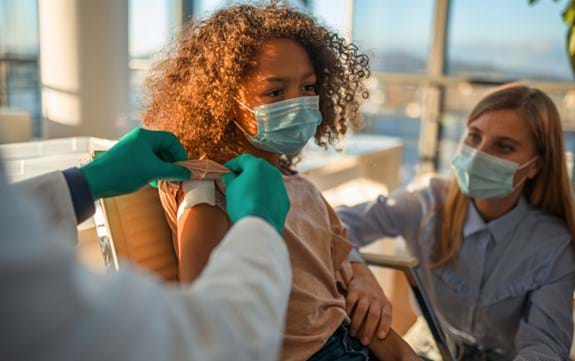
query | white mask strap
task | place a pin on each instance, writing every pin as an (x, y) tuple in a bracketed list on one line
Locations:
[(519, 183), (244, 106), (521, 167), (528, 162)]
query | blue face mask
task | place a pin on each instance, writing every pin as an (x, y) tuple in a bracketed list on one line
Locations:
[(484, 176), (285, 127)]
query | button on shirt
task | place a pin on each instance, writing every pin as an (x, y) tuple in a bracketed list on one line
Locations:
[(511, 287)]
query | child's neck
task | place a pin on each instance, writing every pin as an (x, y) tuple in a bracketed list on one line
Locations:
[(273, 158)]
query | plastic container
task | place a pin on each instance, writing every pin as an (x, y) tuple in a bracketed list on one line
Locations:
[(30, 159)]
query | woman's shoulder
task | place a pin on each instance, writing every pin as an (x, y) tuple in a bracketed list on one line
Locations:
[(544, 224), (546, 241)]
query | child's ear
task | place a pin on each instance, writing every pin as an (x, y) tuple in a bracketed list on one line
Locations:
[(235, 112)]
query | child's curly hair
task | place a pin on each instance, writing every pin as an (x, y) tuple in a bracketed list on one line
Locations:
[(192, 91)]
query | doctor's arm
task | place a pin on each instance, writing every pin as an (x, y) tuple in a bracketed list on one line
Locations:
[(140, 157), (52, 308)]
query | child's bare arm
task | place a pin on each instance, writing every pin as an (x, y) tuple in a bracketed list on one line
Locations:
[(367, 305), (200, 230), (392, 348)]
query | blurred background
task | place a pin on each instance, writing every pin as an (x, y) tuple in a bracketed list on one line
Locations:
[(77, 67)]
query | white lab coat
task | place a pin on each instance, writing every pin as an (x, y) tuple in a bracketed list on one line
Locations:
[(52, 308)]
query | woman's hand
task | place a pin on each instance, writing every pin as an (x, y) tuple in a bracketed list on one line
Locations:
[(367, 305)]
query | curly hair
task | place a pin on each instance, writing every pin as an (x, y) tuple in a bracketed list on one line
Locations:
[(191, 92)]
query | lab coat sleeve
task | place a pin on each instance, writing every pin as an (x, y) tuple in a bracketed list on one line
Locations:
[(52, 308), (546, 330), (52, 196)]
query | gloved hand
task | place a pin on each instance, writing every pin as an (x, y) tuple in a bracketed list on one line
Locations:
[(138, 158), (255, 188)]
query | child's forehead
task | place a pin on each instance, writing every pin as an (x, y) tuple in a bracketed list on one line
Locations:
[(282, 58)]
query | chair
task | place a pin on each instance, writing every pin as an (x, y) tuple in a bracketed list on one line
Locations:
[(133, 227), (409, 265)]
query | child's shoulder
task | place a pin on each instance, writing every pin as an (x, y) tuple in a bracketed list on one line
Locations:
[(297, 180), (299, 186)]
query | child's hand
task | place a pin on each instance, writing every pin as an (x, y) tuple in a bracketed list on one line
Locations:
[(367, 305)]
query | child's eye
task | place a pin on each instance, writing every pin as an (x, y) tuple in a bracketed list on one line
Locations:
[(275, 93), (310, 88)]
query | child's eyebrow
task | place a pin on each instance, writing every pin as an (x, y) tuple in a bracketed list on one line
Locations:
[(276, 79), (309, 75), (285, 79)]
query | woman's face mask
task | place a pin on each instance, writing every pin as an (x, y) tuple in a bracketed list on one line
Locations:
[(284, 127), (483, 176)]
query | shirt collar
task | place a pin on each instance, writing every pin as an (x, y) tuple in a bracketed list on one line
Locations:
[(506, 224), (473, 223), (500, 227)]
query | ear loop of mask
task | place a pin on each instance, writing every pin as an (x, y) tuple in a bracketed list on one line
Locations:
[(244, 105), (247, 108), (525, 177)]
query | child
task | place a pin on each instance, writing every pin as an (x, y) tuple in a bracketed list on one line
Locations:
[(264, 80)]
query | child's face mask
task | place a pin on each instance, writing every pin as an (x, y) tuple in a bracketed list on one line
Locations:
[(285, 127), (482, 176)]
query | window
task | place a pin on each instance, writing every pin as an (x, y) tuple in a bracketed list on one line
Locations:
[(205, 7), (332, 13), (503, 40), (396, 34), (19, 75), (152, 26), (394, 109)]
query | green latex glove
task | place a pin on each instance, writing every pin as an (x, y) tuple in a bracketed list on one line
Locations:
[(257, 189), (140, 157)]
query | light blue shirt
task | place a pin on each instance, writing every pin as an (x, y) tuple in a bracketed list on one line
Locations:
[(512, 290)]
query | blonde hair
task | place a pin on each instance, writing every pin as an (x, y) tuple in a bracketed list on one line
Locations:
[(549, 190)]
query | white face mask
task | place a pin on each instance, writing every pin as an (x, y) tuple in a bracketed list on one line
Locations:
[(483, 176)]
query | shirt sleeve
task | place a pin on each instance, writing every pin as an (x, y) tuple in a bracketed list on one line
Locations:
[(80, 193), (400, 214), (355, 256), (52, 308), (546, 330)]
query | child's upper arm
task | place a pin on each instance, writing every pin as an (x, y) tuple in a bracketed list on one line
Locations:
[(200, 227)]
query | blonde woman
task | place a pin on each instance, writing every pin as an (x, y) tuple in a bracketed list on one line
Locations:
[(495, 242)]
